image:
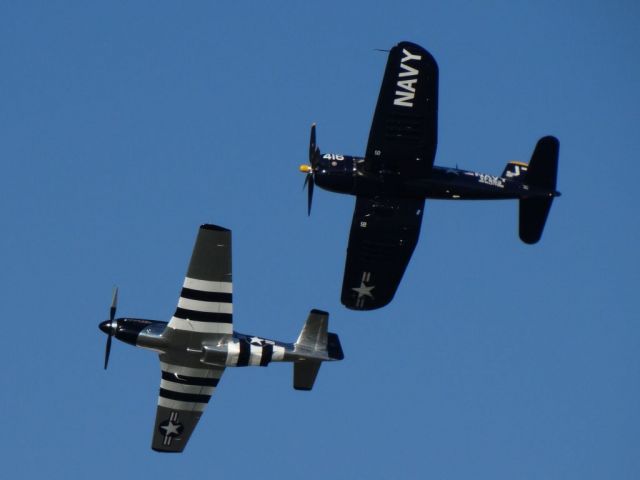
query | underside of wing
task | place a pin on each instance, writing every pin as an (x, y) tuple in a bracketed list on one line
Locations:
[(404, 131), (384, 233), (205, 304), (184, 394)]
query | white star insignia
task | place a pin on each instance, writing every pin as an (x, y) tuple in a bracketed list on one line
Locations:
[(363, 290), (171, 428)]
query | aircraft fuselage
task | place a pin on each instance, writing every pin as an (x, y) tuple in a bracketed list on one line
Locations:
[(346, 174), (236, 350)]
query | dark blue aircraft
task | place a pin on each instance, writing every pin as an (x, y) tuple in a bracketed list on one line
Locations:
[(397, 174)]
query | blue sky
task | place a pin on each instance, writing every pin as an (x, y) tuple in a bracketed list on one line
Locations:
[(125, 125)]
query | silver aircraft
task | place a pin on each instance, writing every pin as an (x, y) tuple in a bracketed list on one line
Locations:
[(199, 342)]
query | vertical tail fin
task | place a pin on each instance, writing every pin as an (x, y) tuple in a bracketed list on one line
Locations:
[(314, 333), (543, 167), (313, 346), (541, 176)]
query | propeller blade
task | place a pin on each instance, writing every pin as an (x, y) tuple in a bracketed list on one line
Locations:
[(107, 350), (114, 304), (314, 151), (312, 144), (104, 326), (314, 160), (309, 193)]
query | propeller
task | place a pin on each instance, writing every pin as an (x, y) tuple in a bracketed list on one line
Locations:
[(314, 159), (108, 326)]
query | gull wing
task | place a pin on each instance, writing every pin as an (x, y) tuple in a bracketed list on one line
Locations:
[(185, 390), (384, 233), (404, 131)]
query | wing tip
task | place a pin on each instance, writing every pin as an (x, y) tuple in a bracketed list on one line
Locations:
[(430, 59), (353, 304), (217, 228), (161, 450)]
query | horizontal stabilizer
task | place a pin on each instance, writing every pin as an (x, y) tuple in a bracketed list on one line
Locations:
[(304, 374), (533, 215)]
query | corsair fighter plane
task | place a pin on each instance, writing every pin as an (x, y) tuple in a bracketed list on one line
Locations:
[(397, 174), (199, 342)]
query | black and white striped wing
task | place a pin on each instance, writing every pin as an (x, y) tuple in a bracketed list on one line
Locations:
[(184, 394), (205, 304)]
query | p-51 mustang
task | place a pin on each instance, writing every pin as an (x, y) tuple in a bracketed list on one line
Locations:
[(198, 343), (396, 175)]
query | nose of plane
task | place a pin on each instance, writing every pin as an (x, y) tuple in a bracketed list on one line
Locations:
[(106, 326)]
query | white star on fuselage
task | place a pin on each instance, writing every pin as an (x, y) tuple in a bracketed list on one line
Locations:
[(255, 341), (363, 290)]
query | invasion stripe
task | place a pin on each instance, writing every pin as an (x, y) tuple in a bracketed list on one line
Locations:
[(267, 353), (203, 316), (244, 355), (184, 397), (201, 327), (178, 405), (256, 355), (278, 353), (184, 379), (207, 285), (206, 296), (233, 350), (200, 306), (191, 371), (184, 388)]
